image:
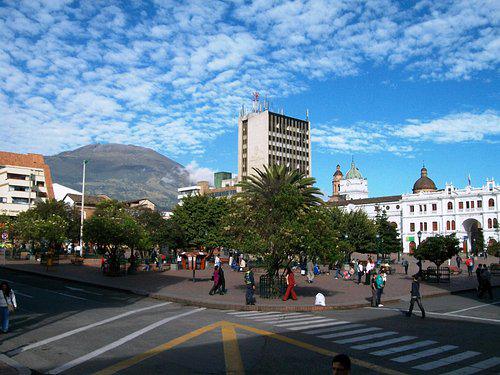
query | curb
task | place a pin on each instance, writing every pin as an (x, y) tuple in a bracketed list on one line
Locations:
[(21, 369), (227, 306)]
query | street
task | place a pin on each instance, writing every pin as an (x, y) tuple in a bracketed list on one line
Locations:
[(70, 328)]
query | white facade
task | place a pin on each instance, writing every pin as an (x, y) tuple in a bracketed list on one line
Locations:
[(354, 188), (444, 212), (187, 191)]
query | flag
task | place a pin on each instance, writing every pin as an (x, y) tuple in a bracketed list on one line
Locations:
[(468, 179)]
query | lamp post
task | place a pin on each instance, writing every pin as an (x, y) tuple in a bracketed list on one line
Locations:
[(348, 256), (419, 235), (83, 207)]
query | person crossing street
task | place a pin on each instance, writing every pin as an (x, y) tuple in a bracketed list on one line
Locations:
[(290, 282), (415, 296)]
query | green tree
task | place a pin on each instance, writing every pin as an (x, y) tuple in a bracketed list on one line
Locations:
[(438, 249), (480, 245), (111, 228), (359, 232), (494, 248), (388, 240), (271, 216)]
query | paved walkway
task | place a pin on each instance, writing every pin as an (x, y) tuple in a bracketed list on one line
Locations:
[(177, 286)]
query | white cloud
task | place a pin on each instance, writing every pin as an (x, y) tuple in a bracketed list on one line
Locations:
[(198, 173)]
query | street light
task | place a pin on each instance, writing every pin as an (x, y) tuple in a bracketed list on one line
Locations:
[(419, 235), (83, 206)]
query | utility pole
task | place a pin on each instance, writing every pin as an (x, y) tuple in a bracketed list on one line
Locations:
[(83, 207)]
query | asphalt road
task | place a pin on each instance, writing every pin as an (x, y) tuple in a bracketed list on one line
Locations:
[(69, 328)]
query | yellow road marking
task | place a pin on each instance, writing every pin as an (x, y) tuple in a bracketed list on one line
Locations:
[(161, 348), (234, 364), (232, 355)]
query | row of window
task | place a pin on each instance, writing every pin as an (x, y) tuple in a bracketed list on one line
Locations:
[(288, 150), (467, 204), (450, 225), (492, 223)]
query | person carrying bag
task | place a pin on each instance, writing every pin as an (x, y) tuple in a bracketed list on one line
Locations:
[(8, 305)]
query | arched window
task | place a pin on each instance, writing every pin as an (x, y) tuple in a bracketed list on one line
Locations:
[(450, 206), (448, 225), (495, 223), (490, 223), (491, 202), (453, 225)]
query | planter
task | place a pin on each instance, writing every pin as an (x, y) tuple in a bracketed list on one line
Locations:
[(271, 287)]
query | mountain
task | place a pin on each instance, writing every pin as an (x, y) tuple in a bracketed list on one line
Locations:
[(123, 172)]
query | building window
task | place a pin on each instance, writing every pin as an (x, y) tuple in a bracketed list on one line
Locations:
[(491, 202), (434, 226), (450, 206), (453, 225), (412, 208), (412, 227), (425, 227), (387, 208), (471, 204), (448, 227), (495, 223), (490, 223), (460, 205), (434, 207), (467, 204), (479, 204), (397, 207), (421, 226)]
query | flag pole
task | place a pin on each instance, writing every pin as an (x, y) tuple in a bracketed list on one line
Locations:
[(83, 208)]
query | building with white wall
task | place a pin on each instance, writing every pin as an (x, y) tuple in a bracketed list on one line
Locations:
[(429, 211)]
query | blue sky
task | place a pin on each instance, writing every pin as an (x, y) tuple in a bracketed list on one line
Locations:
[(392, 86)]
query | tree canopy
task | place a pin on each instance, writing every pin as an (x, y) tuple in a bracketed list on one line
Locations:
[(438, 249), (388, 240)]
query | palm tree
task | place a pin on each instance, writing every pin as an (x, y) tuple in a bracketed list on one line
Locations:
[(262, 186)]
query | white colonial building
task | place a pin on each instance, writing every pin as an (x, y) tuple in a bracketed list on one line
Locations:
[(429, 211)]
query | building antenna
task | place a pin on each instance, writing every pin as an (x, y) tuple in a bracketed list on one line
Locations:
[(255, 101), (307, 114)]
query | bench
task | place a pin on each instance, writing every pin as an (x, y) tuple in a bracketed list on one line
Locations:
[(77, 261), (432, 274)]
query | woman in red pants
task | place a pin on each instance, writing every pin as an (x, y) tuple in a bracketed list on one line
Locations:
[(290, 282)]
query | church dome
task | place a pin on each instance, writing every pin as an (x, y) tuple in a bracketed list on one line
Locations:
[(338, 172), (424, 183), (353, 173)]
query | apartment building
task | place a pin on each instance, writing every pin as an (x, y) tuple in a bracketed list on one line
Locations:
[(24, 181)]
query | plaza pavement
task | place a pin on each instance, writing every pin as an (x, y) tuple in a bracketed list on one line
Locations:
[(177, 286)]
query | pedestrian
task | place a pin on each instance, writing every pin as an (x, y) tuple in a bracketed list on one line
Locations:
[(341, 365), (373, 286), (217, 261), (470, 265), (478, 276), (379, 283), (459, 261), (290, 282), (405, 264), (179, 262), (250, 285), (8, 304), (243, 264), (222, 281), (486, 282), (415, 296), (216, 279), (310, 271), (360, 271), (369, 269), (230, 262)]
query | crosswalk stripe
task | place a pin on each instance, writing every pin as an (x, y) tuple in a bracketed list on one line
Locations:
[(404, 348), (302, 323), (383, 343), (298, 320), (250, 313), (334, 329), (350, 333), (366, 337), (424, 353), (281, 317), (316, 325), (447, 361), (476, 367)]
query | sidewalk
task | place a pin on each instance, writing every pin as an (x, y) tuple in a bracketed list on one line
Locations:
[(177, 286), (10, 367)]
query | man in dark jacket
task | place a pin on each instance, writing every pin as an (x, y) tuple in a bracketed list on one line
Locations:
[(250, 284), (459, 261), (415, 296), (479, 269)]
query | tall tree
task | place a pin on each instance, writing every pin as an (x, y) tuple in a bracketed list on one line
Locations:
[(270, 218), (438, 249), (359, 232), (388, 240)]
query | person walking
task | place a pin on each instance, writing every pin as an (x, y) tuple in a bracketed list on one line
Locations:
[(341, 365), (459, 261), (379, 283), (360, 271), (415, 296), (222, 281), (470, 265), (310, 271), (479, 279), (405, 264), (290, 282), (8, 304), (216, 278), (250, 285), (373, 285), (486, 282)]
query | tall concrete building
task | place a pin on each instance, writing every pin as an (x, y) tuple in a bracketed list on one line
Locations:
[(24, 180), (266, 138)]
